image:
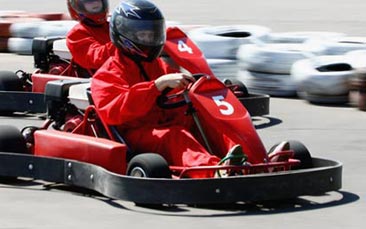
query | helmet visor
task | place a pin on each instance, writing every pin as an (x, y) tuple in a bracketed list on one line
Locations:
[(143, 32), (92, 6)]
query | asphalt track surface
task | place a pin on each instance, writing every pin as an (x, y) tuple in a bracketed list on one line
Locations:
[(334, 132)]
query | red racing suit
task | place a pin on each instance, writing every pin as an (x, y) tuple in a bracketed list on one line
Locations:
[(90, 46), (124, 98)]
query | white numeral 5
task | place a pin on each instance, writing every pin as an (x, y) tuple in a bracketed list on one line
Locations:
[(219, 100)]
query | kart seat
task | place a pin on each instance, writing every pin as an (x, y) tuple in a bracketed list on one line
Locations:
[(78, 95), (60, 49), (59, 90)]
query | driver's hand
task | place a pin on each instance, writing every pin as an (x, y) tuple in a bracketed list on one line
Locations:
[(173, 80)]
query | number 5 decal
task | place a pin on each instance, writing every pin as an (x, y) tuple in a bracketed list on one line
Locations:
[(183, 47), (219, 100)]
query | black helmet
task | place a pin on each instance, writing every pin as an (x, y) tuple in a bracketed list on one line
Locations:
[(137, 28)]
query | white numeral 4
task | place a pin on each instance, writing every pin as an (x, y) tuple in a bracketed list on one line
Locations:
[(183, 47)]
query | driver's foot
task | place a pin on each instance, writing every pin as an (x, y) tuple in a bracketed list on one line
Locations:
[(235, 157)]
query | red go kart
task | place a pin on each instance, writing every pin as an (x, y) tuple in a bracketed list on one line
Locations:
[(91, 154)]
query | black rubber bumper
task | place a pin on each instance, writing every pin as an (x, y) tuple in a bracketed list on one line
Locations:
[(325, 176), (14, 101)]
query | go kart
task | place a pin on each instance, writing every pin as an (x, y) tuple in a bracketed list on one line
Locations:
[(89, 153), (24, 92), (21, 91)]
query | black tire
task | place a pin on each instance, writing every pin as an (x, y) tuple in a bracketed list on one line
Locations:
[(11, 140), (301, 153), (239, 86), (148, 165), (9, 81)]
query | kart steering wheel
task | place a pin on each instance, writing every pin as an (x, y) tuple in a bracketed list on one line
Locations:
[(177, 99)]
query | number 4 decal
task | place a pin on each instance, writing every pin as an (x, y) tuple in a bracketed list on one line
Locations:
[(219, 100), (183, 47)]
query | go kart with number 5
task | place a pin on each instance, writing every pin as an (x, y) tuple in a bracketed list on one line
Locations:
[(89, 153)]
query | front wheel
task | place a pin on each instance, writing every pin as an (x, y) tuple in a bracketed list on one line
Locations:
[(300, 152), (148, 165), (237, 87)]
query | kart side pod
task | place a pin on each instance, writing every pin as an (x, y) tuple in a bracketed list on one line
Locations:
[(108, 154)]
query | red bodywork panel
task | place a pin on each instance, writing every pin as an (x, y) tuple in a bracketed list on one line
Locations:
[(214, 111), (40, 80), (108, 154), (185, 53), (222, 115)]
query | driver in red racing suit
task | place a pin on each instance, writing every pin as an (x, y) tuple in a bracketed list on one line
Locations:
[(89, 41), (125, 89)]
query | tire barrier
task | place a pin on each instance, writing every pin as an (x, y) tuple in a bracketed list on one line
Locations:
[(3, 44), (48, 16), (18, 28), (222, 42), (7, 22), (41, 28), (52, 16), (266, 67), (274, 58), (323, 79), (281, 85), (19, 45), (357, 58), (339, 46), (184, 27), (224, 68), (302, 36)]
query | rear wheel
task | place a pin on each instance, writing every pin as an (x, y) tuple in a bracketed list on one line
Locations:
[(9, 81), (11, 141)]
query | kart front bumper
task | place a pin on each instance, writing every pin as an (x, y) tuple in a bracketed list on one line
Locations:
[(325, 176)]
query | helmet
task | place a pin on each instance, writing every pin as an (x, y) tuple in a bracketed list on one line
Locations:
[(92, 12), (137, 29)]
